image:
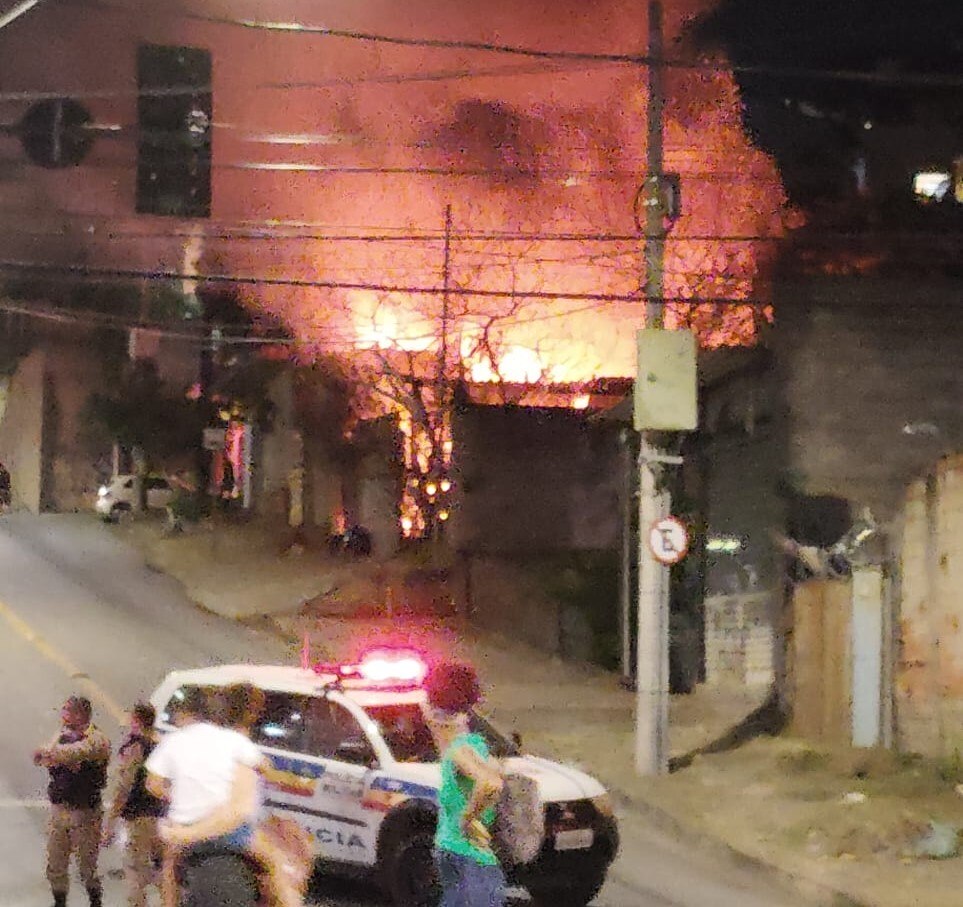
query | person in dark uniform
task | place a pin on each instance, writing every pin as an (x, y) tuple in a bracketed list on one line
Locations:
[(76, 760), (131, 802)]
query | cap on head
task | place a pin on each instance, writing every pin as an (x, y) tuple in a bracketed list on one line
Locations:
[(239, 705), (144, 714), (80, 706)]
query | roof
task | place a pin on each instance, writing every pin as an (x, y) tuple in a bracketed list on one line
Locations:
[(288, 679)]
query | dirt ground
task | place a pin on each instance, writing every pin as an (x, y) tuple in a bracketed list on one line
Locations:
[(844, 821)]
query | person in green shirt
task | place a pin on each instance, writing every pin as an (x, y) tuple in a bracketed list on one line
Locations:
[(471, 781)]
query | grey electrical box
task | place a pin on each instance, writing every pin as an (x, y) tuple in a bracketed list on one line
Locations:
[(665, 383)]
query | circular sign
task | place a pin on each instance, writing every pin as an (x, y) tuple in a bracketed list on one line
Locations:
[(55, 134), (668, 540)]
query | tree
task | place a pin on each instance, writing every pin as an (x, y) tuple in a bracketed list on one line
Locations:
[(144, 415)]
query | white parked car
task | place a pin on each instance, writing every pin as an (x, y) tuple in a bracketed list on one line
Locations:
[(360, 773), (121, 495)]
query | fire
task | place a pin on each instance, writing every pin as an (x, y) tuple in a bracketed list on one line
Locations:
[(534, 294)]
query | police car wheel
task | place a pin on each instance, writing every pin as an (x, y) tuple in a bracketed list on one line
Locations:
[(578, 893), (121, 513), (409, 874)]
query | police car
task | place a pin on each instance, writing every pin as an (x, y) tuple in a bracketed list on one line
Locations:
[(357, 767)]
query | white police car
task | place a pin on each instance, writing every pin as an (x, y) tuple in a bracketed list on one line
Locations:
[(359, 770)]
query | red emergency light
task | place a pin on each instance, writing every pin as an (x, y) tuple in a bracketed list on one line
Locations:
[(382, 667)]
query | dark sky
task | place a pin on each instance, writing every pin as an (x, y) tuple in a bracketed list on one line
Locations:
[(815, 126), (925, 35)]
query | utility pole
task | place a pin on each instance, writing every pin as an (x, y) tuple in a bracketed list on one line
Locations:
[(445, 303), (442, 389), (652, 653)]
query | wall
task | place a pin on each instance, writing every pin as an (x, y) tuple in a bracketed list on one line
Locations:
[(21, 432), (279, 451), (740, 457), (929, 668), (73, 372), (534, 480), (873, 384)]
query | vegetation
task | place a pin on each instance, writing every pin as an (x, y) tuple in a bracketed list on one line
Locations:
[(143, 414)]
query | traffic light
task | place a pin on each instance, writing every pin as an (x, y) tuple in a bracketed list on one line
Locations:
[(174, 113)]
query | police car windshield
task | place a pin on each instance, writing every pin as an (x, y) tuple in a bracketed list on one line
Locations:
[(404, 730)]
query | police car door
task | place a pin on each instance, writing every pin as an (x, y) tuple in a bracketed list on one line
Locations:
[(346, 831), (292, 785)]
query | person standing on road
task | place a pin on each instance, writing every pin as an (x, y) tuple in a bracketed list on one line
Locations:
[(471, 781), (135, 805), (200, 770), (76, 760)]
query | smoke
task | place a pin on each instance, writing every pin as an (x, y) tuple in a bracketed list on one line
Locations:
[(536, 146)]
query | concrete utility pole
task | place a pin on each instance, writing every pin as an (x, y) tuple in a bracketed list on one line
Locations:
[(652, 653)]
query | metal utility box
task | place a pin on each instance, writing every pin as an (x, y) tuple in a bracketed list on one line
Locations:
[(665, 384)]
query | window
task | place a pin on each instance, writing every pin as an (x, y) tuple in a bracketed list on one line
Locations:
[(406, 734), (282, 726), (332, 732), (203, 696), (404, 730)]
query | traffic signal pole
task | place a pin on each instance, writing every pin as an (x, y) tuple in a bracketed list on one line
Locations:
[(652, 642)]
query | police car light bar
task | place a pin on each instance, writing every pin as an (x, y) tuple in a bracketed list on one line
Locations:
[(382, 667)]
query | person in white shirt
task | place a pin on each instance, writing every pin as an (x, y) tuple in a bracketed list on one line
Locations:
[(208, 775), (212, 775)]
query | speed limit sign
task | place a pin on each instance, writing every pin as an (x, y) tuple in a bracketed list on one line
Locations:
[(669, 540)]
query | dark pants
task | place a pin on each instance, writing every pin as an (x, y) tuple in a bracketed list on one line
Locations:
[(467, 883)]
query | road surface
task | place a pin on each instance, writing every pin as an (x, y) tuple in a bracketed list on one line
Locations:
[(79, 612)]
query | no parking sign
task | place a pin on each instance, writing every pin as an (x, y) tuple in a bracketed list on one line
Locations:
[(669, 540)]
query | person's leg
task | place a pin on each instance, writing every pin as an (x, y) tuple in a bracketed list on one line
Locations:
[(484, 885), (86, 841), (139, 867), (58, 853), (268, 852), (451, 879)]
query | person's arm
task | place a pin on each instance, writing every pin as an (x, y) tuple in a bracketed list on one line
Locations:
[(238, 810), (92, 747), (158, 786), (159, 769), (487, 787), (123, 783)]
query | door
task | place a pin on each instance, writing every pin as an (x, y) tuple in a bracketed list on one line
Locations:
[(334, 740)]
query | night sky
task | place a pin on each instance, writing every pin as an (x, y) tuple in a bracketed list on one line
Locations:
[(815, 126)]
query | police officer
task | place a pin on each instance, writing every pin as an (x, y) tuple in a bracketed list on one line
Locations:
[(76, 760), (131, 802)]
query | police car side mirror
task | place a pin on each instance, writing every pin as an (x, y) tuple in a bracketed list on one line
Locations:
[(356, 751)]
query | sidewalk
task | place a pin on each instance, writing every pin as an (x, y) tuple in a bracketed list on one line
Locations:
[(840, 825)]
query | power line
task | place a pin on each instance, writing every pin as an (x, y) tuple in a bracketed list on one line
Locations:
[(99, 273), (270, 229), (507, 174), (857, 76), (404, 78)]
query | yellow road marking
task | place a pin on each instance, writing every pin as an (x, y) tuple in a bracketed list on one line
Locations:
[(54, 655)]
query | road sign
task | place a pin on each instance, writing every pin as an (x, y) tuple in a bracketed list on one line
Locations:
[(669, 540)]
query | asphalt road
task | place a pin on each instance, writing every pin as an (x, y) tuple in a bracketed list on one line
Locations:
[(79, 612)]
